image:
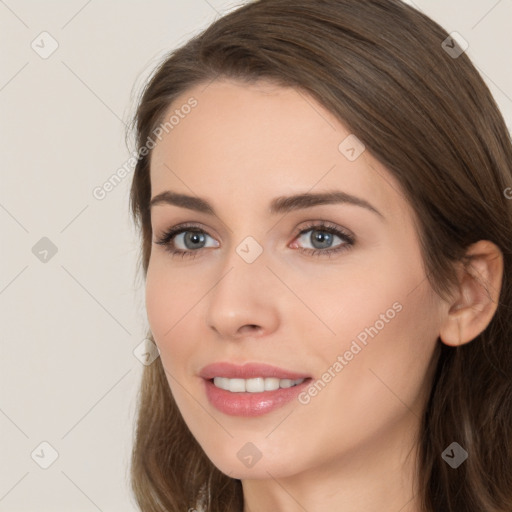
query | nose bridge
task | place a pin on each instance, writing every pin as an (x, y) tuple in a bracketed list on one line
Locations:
[(243, 272), (241, 294)]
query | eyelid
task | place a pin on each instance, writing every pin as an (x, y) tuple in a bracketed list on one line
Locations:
[(184, 226), (327, 225)]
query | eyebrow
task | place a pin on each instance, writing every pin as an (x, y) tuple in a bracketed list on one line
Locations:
[(282, 204)]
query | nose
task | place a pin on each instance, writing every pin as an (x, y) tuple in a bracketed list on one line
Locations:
[(245, 300)]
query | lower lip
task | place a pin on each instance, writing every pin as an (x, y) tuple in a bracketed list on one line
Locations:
[(251, 404)]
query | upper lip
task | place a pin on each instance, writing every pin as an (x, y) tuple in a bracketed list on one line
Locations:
[(248, 371)]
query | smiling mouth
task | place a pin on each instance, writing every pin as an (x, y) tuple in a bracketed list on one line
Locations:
[(254, 385), (253, 396)]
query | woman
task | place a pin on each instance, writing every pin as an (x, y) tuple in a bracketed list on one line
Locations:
[(326, 242)]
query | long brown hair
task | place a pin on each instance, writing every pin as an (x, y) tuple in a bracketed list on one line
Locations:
[(385, 71)]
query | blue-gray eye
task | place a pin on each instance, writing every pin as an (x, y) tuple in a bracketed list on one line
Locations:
[(319, 238), (191, 240)]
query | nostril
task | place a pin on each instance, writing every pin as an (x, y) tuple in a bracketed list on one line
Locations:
[(252, 327)]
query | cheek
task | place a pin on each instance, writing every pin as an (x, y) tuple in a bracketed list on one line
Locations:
[(381, 383), (170, 310), (157, 301), (386, 356), (171, 305), (169, 296), (167, 301), (386, 323), (352, 300)]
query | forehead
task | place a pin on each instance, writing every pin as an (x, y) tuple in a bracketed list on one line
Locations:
[(261, 141)]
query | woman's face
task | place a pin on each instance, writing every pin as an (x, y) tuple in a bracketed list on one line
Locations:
[(333, 292)]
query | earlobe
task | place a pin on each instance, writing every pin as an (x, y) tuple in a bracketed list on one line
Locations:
[(474, 304)]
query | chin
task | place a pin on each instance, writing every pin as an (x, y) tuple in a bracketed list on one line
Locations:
[(249, 463)]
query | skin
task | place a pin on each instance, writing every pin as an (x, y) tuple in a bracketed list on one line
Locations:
[(352, 447)]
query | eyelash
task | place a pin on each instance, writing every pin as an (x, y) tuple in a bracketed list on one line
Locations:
[(168, 236)]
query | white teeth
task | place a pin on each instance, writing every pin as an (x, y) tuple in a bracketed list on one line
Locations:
[(255, 385), (285, 383), (271, 384), (221, 382), (236, 385)]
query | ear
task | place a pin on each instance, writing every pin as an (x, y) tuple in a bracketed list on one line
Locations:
[(475, 300)]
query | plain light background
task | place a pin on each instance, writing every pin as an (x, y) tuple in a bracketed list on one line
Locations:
[(70, 324)]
